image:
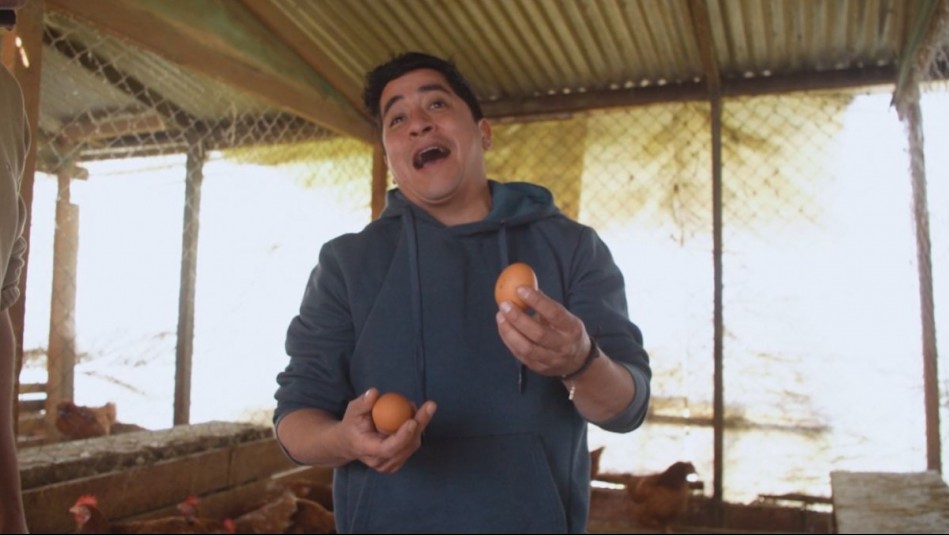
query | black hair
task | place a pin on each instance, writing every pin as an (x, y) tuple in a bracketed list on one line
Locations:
[(406, 62)]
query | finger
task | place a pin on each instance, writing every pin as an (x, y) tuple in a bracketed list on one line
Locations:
[(512, 337), (424, 415), (512, 317), (364, 403), (552, 312)]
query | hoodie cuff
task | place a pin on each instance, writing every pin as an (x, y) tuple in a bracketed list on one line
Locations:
[(635, 413)]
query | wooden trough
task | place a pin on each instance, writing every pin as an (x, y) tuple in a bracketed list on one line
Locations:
[(230, 466), (145, 474), (610, 513)]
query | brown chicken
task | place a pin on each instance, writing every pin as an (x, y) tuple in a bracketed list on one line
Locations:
[(659, 499), (188, 508), (306, 488), (77, 421), (311, 517), (90, 519), (274, 516)]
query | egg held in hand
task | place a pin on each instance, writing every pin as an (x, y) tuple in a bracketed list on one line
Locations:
[(515, 275), (390, 411)]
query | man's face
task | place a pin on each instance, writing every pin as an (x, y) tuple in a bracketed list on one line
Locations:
[(433, 146)]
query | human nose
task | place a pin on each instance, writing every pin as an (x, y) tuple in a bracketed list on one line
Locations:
[(421, 124)]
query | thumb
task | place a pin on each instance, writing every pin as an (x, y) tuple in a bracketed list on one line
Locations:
[(365, 402)]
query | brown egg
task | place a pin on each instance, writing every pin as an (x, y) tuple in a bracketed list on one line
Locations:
[(515, 275), (390, 411)]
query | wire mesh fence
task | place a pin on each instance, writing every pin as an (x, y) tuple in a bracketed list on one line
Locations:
[(821, 301)]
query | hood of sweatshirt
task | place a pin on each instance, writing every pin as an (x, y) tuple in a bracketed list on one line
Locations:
[(512, 204)]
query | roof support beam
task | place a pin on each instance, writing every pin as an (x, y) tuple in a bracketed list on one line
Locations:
[(122, 81), (643, 96), (283, 26), (221, 39), (917, 52), (701, 22)]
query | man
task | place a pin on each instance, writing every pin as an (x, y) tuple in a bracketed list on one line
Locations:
[(407, 305), (14, 140)]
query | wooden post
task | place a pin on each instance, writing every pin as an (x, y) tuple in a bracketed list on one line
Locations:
[(718, 403), (379, 180), (61, 353), (189, 263), (913, 117)]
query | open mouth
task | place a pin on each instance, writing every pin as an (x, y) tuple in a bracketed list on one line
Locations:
[(429, 155)]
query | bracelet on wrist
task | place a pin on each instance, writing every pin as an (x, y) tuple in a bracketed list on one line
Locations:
[(591, 356)]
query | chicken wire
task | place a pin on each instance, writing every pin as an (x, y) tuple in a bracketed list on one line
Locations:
[(821, 349)]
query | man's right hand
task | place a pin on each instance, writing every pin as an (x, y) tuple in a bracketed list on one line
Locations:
[(383, 452), (315, 437)]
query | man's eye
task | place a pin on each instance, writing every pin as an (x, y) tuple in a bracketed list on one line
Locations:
[(396, 120), (438, 104)]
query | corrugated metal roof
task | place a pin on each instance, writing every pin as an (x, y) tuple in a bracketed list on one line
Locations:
[(516, 49), (69, 88), (535, 56)]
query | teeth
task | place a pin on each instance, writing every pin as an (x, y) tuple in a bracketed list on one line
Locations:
[(428, 155)]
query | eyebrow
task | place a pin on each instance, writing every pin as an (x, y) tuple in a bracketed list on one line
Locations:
[(424, 89)]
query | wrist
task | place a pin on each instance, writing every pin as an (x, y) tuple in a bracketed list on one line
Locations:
[(591, 356)]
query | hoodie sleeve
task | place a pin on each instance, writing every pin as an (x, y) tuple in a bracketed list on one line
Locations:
[(597, 294), (319, 342)]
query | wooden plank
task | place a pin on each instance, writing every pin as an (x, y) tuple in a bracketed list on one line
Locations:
[(223, 40), (554, 105), (76, 459), (31, 405), (238, 499), (889, 502), (127, 492), (610, 513), (144, 489), (32, 388), (257, 459), (279, 23)]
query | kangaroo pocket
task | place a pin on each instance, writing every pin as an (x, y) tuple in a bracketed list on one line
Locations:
[(494, 484)]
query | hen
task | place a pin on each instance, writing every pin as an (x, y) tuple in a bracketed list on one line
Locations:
[(188, 508), (311, 517), (90, 519), (306, 488), (77, 421), (659, 499), (274, 516)]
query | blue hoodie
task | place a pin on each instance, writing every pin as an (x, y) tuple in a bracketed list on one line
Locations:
[(407, 305)]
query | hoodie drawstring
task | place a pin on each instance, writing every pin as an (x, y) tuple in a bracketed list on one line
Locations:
[(505, 260), (415, 283)]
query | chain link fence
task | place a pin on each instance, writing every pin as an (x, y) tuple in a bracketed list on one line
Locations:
[(822, 351)]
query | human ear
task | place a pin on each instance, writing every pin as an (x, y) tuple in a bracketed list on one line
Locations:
[(485, 128)]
